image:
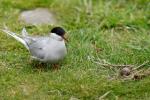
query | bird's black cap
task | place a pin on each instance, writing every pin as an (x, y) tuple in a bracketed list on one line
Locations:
[(59, 31)]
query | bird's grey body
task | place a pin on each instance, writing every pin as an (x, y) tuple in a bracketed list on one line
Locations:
[(43, 48)]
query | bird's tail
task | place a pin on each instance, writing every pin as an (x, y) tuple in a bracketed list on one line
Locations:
[(17, 37)]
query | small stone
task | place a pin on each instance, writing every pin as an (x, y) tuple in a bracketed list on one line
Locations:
[(125, 71), (37, 16)]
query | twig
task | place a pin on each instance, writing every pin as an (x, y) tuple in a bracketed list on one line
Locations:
[(141, 65), (112, 65), (108, 64), (104, 95)]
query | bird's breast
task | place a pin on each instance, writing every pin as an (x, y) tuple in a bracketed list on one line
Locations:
[(55, 52)]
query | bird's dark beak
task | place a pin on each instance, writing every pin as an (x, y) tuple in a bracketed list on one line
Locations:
[(65, 38)]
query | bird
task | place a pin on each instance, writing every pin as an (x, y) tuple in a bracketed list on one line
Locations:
[(50, 48)]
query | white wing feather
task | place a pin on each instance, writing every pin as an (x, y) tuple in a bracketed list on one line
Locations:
[(24, 32), (16, 37)]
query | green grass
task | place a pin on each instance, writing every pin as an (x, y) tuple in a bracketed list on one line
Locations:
[(120, 28)]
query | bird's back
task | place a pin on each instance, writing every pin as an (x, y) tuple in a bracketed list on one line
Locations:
[(48, 49)]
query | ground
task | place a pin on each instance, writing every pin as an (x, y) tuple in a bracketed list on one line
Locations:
[(114, 31)]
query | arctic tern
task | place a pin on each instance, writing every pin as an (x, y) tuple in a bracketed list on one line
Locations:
[(49, 48)]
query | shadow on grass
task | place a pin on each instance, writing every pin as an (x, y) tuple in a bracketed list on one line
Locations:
[(40, 66)]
